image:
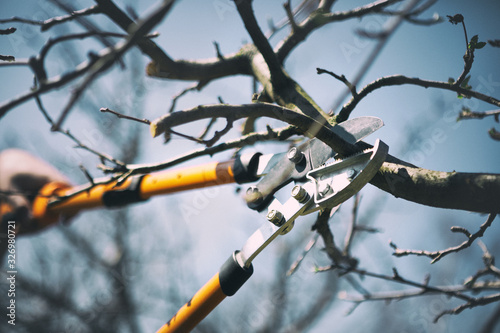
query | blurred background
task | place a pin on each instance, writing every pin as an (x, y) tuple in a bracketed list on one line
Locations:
[(128, 270)]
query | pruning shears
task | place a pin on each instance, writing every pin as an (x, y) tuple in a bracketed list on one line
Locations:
[(318, 186)]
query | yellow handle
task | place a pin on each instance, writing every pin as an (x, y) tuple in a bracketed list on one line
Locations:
[(230, 278), (197, 308), (211, 174)]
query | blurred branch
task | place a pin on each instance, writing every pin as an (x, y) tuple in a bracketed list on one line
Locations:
[(321, 17), (79, 144), (326, 297), (108, 58), (49, 23), (280, 134), (411, 17), (123, 173), (424, 288), (494, 134), (296, 264), (57, 301), (352, 226)]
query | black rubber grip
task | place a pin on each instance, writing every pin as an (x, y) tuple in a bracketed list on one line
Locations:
[(232, 276), (122, 197), (245, 168)]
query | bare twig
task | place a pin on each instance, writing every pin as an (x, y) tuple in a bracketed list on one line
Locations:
[(323, 229), (296, 264), (352, 226), (318, 18), (341, 78), (437, 255), (394, 80), (423, 289), (196, 86), (119, 115), (249, 139), (47, 24), (392, 26), (79, 144), (108, 58), (207, 128), (294, 117)]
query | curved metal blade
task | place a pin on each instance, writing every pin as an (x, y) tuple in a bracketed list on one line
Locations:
[(279, 170)]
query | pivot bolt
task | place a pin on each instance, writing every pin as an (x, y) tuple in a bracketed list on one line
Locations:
[(300, 194), (275, 217), (295, 155)]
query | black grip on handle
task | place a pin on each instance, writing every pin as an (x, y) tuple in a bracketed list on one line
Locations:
[(245, 168), (232, 276), (129, 195)]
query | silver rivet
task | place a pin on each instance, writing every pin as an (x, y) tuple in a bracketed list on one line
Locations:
[(275, 217), (299, 193)]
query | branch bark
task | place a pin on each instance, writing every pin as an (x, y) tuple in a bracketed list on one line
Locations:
[(473, 192)]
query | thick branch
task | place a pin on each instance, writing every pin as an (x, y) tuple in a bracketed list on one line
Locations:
[(200, 70), (306, 124), (473, 192), (454, 190), (260, 41)]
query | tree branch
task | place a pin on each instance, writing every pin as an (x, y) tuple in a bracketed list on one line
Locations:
[(395, 80), (306, 124), (437, 255), (277, 75), (321, 17), (49, 23), (473, 192), (107, 59)]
